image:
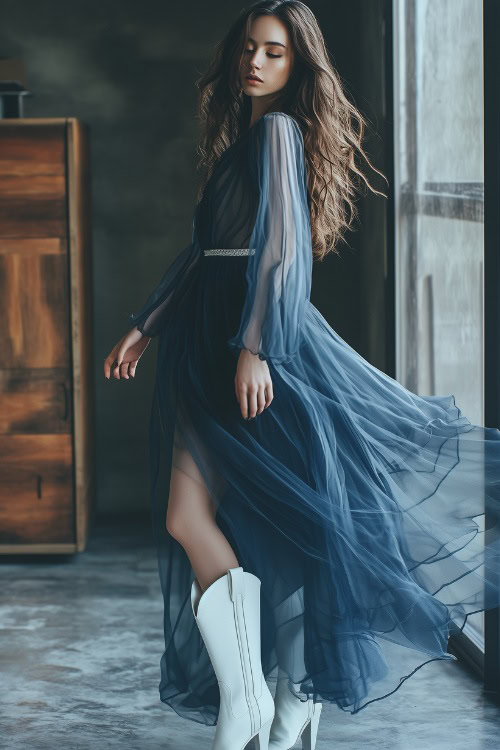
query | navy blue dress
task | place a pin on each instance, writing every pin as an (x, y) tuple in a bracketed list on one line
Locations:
[(358, 504)]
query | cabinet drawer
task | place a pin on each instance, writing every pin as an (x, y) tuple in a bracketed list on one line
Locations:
[(36, 489), (35, 401), (33, 181)]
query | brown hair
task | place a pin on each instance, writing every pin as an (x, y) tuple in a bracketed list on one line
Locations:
[(332, 127)]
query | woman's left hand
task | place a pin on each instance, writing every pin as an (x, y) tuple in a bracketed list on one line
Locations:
[(253, 384), (124, 356)]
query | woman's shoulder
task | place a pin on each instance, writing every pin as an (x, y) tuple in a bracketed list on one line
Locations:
[(280, 118), (278, 121), (279, 115)]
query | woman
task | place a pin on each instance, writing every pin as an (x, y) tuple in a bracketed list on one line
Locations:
[(315, 520)]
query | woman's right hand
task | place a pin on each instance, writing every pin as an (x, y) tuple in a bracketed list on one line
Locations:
[(124, 356), (252, 384)]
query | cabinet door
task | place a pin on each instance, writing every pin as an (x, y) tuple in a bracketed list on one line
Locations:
[(36, 471), (33, 246)]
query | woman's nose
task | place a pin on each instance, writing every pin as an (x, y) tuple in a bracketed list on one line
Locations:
[(255, 61)]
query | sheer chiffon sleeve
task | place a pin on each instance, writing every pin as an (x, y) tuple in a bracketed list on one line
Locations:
[(155, 311), (279, 273)]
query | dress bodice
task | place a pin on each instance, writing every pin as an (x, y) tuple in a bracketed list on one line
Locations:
[(226, 213), (256, 198)]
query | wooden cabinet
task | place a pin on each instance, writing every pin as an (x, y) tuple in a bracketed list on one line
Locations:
[(46, 374)]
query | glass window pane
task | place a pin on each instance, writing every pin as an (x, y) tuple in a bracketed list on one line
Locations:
[(439, 204)]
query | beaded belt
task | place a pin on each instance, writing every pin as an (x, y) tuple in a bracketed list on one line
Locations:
[(230, 251)]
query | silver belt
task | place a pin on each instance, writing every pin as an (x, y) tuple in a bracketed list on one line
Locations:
[(230, 251)]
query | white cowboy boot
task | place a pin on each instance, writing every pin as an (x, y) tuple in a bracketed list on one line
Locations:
[(228, 617), (293, 719)]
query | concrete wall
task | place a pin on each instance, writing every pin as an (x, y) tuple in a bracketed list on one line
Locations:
[(439, 157), (128, 70)]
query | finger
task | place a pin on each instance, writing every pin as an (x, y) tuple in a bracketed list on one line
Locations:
[(116, 370), (121, 353), (269, 394), (261, 399), (243, 401), (133, 367), (108, 363), (252, 403), (122, 349), (124, 370)]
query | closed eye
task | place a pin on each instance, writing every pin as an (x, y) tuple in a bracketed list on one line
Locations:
[(268, 53)]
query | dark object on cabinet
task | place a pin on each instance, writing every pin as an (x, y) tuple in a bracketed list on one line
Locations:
[(12, 87), (11, 99), (46, 373)]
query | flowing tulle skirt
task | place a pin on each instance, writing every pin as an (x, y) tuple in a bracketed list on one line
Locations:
[(358, 504)]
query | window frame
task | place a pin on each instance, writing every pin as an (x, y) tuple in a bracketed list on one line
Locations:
[(471, 201)]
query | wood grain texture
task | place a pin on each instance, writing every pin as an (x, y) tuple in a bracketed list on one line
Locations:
[(46, 376), (36, 487), (81, 324), (35, 401), (34, 306), (33, 180)]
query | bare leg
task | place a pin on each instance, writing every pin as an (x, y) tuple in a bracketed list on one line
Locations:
[(191, 520)]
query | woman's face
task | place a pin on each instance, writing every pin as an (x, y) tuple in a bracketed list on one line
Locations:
[(268, 55)]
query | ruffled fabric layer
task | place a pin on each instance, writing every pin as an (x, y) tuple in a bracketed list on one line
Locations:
[(358, 504)]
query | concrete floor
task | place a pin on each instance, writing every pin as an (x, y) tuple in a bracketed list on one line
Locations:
[(81, 638)]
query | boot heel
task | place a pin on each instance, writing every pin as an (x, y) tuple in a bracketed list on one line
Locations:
[(261, 740), (310, 733)]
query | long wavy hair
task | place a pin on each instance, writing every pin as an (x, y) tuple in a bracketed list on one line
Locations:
[(332, 127)]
